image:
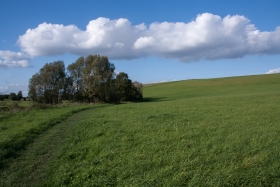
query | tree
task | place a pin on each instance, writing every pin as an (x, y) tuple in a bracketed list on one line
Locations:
[(48, 85), (68, 89), (90, 78), (138, 85), (123, 86), (136, 93), (36, 92), (137, 88), (6, 96), (76, 73), (97, 78), (13, 96), (2, 97), (126, 90), (19, 95)]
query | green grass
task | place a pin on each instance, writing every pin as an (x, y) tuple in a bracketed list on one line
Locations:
[(19, 129), (214, 87), (25, 103), (215, 132), (13, 106)]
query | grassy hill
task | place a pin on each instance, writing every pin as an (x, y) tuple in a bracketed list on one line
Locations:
[(215, 87), (214, 132)]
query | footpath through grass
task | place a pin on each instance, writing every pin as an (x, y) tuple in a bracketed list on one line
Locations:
[(31, 167), (19, 129), (217, 132)]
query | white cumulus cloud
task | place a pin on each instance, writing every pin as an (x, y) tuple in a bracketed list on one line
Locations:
[(272, 71), (13, 59), (209, 37), (113, 38), (144, 42)]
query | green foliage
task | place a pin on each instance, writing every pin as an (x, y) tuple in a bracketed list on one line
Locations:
[(126, 90), (139, 86), (19, 96), (76, 72), (91, 78), (13, 96), (49, 85), (98, 75), (5, 96)]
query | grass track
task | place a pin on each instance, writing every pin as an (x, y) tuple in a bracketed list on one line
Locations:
[(19, 129), (23, 172), (216, 132)]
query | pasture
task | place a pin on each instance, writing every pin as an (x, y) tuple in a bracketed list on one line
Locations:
[(212, 132)]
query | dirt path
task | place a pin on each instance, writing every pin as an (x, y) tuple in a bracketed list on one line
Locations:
[(30, 168)]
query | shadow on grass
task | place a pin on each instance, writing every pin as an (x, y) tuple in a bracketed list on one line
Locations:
[(155, 99)]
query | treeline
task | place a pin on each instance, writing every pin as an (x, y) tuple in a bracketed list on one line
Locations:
[(12, 96), (90, 79)]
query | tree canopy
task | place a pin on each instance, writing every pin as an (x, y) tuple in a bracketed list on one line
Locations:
[(13, 96), (19, 96), (90, 79), (48, 85)]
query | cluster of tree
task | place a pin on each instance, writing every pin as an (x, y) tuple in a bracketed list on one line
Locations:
[(90, 79), (3, 97), (13, 96)]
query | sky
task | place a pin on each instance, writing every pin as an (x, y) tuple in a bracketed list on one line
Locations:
[(151, 41)]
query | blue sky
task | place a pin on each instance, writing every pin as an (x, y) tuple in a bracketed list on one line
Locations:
[(152, 41)]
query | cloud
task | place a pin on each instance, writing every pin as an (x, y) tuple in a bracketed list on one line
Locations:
[(163, 81), (13, 59), (272, 71), (113, 38), (13, 87), (144, 42), (116, 72), (207, 37)]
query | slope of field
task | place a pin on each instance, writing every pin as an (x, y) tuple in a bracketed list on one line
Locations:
[(215, 132), (214, 87)]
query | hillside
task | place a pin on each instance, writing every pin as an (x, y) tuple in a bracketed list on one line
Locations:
[(212, 132), (215, 87)]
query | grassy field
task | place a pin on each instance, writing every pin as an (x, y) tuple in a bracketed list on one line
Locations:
[(215, 132), (19, 129), (8, 105)]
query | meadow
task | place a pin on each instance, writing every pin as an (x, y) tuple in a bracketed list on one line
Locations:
[(212, 132)]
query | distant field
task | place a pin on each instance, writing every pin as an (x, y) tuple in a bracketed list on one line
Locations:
[(6, 103), (214, 132)]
